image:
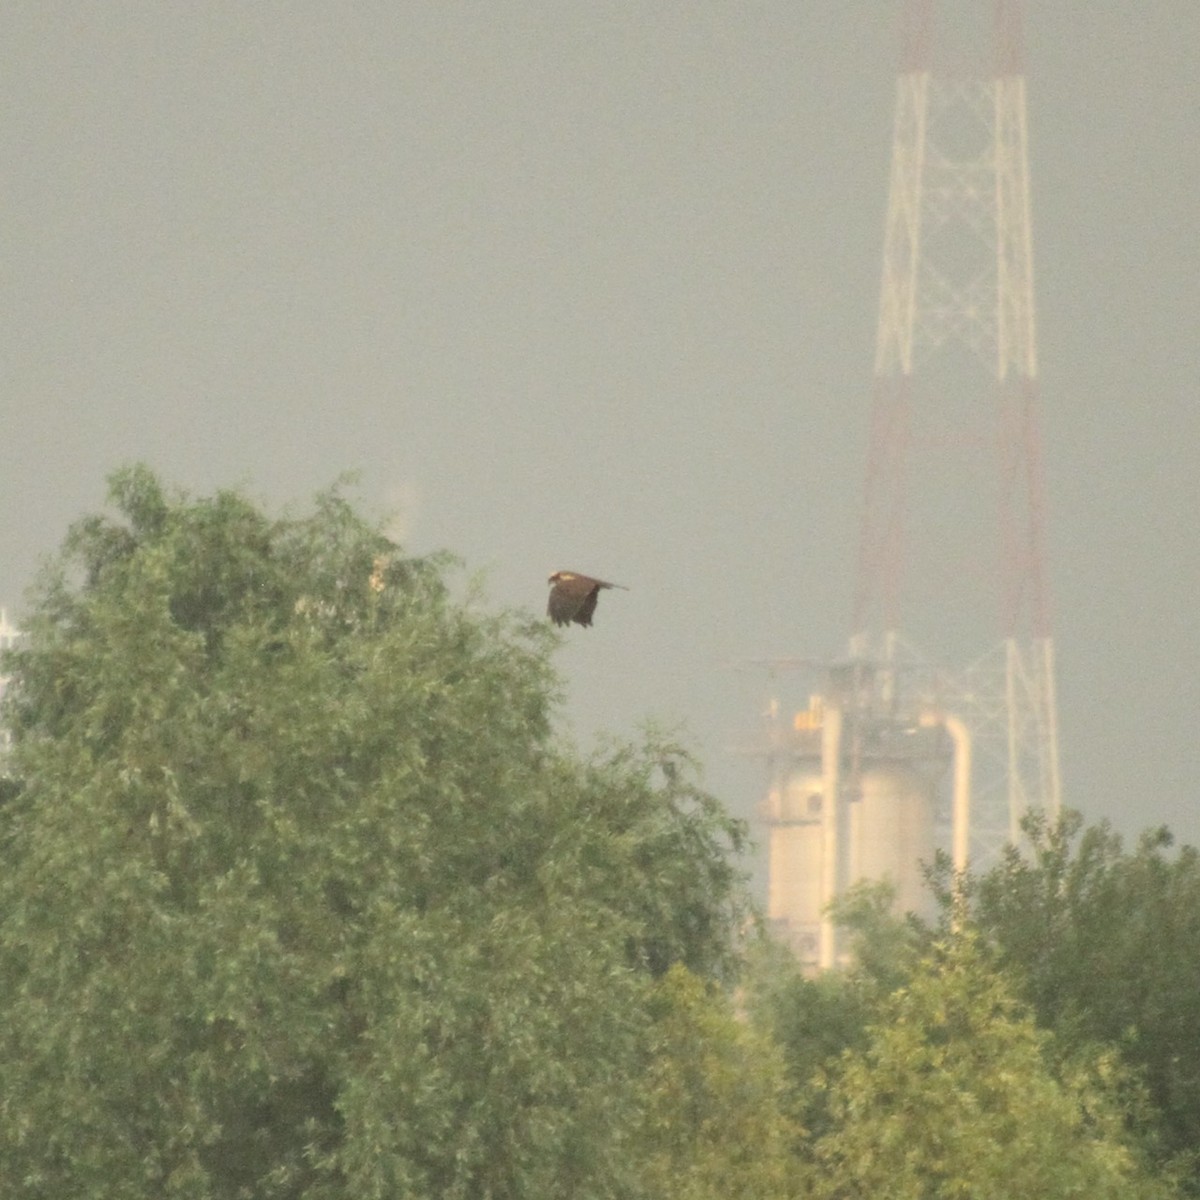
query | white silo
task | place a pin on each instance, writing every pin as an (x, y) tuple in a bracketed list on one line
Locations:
[(890, 833), (793, 813)]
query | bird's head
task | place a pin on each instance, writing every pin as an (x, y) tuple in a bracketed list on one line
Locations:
[(561, 576)]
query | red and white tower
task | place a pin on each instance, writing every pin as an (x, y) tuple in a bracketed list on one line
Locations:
[(951, 656), (952, 533)]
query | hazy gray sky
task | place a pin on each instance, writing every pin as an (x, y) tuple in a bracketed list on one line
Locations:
[(594, 286)]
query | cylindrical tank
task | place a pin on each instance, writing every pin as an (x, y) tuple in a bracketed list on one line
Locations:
[(793, 815), (891, 831)]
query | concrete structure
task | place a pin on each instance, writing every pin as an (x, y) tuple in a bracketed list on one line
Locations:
[(854, 796)]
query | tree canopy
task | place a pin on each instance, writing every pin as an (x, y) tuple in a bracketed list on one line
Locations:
[(1105, 943), (954, 1095), (302, 894), (924, 1068)]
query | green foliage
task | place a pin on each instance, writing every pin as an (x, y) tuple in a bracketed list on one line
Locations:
[(917, 1072), (300, 895), (814, 1018), (810, 1019), (1107, 944), (952, 1096), (716, 1126), (883, 947)]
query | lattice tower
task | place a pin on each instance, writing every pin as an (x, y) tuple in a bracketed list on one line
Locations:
[(954, 461)]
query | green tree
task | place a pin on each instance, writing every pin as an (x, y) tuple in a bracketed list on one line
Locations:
[(1106, 942), (813, 1018), (300, 894), (954, 1096), (716, 1125)]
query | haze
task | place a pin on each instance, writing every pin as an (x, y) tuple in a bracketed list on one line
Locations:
[(594, 287)]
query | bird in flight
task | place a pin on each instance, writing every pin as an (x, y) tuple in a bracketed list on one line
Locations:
[(573, 597)]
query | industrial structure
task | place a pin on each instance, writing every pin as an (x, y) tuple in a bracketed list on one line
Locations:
[(901, 750)]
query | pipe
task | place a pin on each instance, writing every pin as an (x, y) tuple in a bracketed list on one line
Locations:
[(831, 743), (960, 735)]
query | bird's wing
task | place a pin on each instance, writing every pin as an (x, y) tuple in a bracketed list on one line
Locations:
[(560, 607), (567, 597), (588, 605)]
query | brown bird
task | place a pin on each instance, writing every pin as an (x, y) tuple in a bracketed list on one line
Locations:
[(573, 597)]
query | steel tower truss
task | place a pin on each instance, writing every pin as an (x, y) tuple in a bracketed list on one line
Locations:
[(958, 283)]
